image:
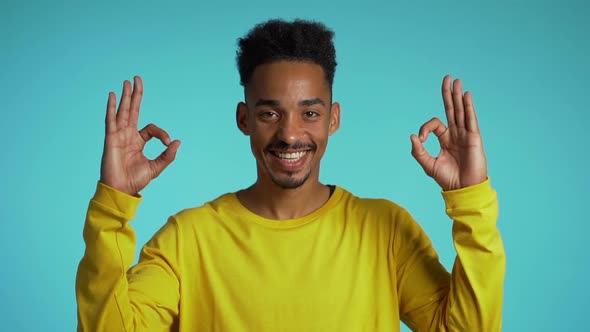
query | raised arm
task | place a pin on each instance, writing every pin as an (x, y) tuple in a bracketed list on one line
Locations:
[(111, 298), (471, 298)]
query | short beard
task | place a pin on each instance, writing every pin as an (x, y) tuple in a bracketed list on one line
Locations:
[(291, 182)]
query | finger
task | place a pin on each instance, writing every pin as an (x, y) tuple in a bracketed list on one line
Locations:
[(135, 101), (151, 130), (123, 112), (421, 155), (111, 116), (470, 115), (448, 100), (164, 159), (435, 125), (458, 104)]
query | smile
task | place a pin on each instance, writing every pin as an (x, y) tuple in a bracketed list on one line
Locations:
[(290, 157)]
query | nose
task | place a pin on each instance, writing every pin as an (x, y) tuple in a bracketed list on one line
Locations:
[(290, 129)]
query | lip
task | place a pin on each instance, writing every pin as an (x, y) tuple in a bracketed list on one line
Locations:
[(286, 165)]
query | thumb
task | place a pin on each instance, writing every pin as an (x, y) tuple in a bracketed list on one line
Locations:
[(421, 155), (164, 159)]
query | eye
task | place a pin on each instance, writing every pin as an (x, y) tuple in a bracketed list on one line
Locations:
[(269, 114), (311, 114)]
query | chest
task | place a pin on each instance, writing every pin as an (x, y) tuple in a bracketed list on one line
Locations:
[(322, 276)]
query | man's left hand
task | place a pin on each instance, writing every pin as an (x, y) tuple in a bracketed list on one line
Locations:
[(461, 161)]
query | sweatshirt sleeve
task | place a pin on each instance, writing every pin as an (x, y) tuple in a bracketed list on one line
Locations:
[(112, 297), (470, 298)]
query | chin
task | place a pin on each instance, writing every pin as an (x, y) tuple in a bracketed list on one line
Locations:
[(290, 182)]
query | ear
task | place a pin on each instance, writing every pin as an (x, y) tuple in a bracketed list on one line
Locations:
[(334, 118), (242, 118)]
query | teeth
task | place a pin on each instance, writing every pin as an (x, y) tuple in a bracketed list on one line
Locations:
[(291, 156)]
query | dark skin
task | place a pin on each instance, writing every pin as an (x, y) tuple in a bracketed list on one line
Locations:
[(288, 115), (288, 110), (124, 165)]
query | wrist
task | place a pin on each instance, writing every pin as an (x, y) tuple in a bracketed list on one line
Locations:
[(118, 187)]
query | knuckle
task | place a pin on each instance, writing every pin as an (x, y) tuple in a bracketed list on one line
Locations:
[(151, 127)]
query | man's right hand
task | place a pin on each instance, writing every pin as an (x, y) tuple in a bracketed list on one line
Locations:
[(124, 165)]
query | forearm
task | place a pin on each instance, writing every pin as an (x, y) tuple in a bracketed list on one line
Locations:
[(476, 291), (101, 283)]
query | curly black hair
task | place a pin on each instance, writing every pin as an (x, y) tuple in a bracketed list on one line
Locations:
[(276, 39)]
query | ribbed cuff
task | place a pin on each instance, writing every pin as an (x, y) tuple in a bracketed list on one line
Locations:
[(116, 201), (470, 197)]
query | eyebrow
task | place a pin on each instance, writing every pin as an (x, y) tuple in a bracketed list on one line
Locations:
[(267, 102), (303, 103), (311, 102)]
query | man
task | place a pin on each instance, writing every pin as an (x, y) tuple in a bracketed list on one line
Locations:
[(290, 253)]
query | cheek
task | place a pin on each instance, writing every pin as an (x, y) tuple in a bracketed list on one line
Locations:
[(257, 149), (320, 133), (263, 132), (258, 141)]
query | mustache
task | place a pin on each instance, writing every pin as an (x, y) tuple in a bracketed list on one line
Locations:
[(280, 145)]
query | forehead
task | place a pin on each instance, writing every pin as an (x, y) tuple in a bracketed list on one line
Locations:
[(288, 80)]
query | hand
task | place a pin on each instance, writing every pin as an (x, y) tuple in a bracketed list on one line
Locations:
[(461, 161), (124, 165)]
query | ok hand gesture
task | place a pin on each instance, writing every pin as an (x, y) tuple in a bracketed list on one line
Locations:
[(461, 161), (124, 165)]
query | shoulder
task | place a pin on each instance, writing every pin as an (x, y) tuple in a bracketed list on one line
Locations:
[(215, 209), (378, 218), (369, 203), (372, 206)]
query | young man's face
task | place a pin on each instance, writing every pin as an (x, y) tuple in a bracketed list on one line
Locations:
[(288, 117)]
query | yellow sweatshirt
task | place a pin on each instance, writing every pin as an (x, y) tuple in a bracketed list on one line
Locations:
[(352, 265)]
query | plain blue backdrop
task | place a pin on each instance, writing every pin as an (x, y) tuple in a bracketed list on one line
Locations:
[(526, 63)]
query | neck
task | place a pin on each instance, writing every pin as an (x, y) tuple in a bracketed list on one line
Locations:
[(273, 202)]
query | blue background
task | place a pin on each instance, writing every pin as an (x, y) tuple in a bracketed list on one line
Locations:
[(527, 65)]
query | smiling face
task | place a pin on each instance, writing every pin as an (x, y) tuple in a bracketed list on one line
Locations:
[(288, 115)]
